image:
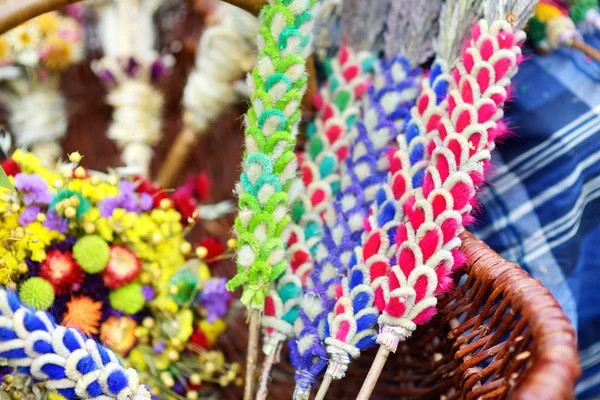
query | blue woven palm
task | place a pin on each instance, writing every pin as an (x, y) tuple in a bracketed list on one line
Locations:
[(75, 366)]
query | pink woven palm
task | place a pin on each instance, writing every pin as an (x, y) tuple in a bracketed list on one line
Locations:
[(436, 215)]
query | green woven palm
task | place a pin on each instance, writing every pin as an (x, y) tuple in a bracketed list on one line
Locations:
[(277, 84)]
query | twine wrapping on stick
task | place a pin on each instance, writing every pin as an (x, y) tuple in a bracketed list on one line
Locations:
[(226, 51), (277, 85), (428, 241)]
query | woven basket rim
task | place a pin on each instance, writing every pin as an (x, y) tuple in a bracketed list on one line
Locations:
[(555, 363)]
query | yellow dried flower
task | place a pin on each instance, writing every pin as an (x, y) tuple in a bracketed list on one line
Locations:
[(57, 54), (47, 23), (4, 48), (75, 157), (25, 36)]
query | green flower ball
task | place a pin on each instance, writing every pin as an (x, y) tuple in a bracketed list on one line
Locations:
[(37, 293), (128, 298), (92, 253), (183, 286)]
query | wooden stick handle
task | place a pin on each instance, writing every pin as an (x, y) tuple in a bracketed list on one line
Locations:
[(312, 87), (586, 49), (185, 143), (252, 6), (18, 11), (263, 387), (324, 387), (252, 354), (373, 375)]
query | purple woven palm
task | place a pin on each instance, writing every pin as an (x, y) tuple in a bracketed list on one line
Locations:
[(366, 170)]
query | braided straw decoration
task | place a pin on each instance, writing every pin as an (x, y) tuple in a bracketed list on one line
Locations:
[(66, 361), (320, 168), (38, 118), (328, 148), (395, 88), (425, 115), (322, 165), (277, 84), (355, 313), (428, 241), (137, 121), (367, 167), (226, 52)]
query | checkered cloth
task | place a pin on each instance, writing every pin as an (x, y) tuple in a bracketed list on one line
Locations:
[(542, 209)]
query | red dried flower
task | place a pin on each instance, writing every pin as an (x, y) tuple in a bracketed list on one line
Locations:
[(184, 203), (122, 268), (200, 339), (11, 167), (202, 185), (145, 186), (213, 246), (62, 271)]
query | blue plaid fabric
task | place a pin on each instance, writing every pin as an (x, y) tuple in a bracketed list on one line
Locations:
[(542, 208)]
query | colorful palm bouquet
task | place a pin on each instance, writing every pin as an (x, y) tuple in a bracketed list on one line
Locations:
[(108, 257), (32, 58)]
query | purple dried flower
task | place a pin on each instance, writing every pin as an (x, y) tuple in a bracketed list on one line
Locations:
[(178, 388), (132, 67), (65, 245), (127, 199), (30, 183), (146, 201), (107, 78), (157, 70), (33, 188), (214, 297), (107, 206), (55, 222), (29, 215), (34, 267), (148, 292), (159, 347), (111, 312), (59, 307)]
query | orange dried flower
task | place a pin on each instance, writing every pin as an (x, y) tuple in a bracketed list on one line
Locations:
[(83, 313), (118, 334)]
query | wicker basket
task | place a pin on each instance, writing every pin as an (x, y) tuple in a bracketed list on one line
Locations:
[(499, 335)]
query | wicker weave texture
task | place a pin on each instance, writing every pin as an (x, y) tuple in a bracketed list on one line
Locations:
[(499, 335)]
